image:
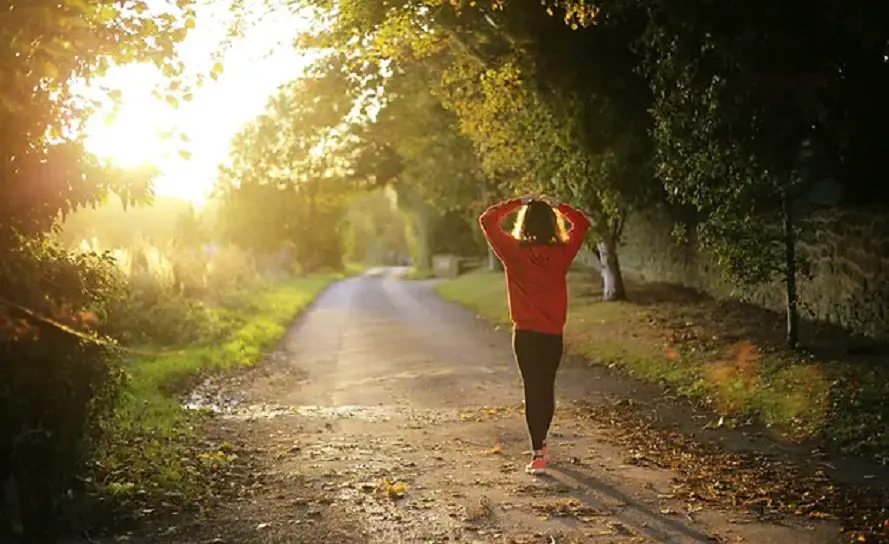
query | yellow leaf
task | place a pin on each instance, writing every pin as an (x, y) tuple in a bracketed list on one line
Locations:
[(185, 154), (50, 70), (189, 23), (107, 14), (397, 490), (393, 490)]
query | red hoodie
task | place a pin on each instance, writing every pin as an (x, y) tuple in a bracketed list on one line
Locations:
[(535, 273)]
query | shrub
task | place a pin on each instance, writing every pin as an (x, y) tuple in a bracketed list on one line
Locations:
[(163, 292), (56, 387), (230, 269)]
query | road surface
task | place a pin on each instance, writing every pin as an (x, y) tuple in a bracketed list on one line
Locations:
[(388, 415)]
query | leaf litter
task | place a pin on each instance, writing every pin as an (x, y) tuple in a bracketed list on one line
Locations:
[(766, 487)]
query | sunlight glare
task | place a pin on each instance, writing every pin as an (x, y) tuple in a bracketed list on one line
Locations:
[(255, 65), (131, 136)]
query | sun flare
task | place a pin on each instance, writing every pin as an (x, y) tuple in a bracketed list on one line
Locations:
[(133, 135), (187, 143)]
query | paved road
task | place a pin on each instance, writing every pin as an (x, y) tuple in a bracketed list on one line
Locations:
[(382, 381)]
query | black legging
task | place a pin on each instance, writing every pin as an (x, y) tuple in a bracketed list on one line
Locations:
[(538, 356)]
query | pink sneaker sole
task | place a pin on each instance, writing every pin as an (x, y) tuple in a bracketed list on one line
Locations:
[(537, 466)]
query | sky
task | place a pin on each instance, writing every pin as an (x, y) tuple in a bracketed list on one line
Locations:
[(255, 64)]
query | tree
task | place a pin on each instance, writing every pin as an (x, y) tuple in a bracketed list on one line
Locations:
[(439, 170), (756, 106), (58, 387), (114, 226), (190, 231), (375, 231), (47, 46), (289, 176), (538, 119)]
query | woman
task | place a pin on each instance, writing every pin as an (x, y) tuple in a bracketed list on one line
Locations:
[(536, 257)]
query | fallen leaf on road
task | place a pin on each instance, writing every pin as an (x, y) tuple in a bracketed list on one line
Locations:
[(393, 490)]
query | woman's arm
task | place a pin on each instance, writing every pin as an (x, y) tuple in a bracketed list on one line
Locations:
[(501, 242)]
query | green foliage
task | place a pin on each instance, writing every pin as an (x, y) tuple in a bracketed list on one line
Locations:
[(440, 166), (374, 229), (191, 232), (538, 119), (737, 174), (111, 224), (456, 233), (161, 294), (754, 109), (286, 186), (46, 45), (56, 386)]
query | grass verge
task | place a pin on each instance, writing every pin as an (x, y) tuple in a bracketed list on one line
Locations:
[(153, 454), (727, 355), (416, 274)]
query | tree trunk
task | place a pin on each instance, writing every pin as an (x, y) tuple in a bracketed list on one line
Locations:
[(790, 277), (612, 278), (420, 226)]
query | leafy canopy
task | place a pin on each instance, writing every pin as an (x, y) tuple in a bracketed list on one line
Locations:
[(46, 47)]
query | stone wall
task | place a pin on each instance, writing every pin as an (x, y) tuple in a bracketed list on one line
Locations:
[(849, 253)]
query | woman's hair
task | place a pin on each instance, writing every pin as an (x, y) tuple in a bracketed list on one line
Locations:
[(538, 223)]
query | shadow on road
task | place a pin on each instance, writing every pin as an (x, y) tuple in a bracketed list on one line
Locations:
[(633, 513)]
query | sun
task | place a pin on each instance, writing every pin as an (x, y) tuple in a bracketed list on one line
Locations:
[(131, 135), (137, 133)]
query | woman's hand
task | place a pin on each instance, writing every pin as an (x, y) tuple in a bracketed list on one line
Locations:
[(526, 199)]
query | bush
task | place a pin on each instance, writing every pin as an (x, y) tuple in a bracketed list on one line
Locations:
[(60, 402), (229, 269), (55, 387), (151, 313), (164, 294)]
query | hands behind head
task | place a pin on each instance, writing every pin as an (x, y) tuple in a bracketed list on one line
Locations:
[(530, 197)]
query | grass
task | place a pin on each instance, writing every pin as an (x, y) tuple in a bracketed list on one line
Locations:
[(153, 450), (725, 354), (416, 274)]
